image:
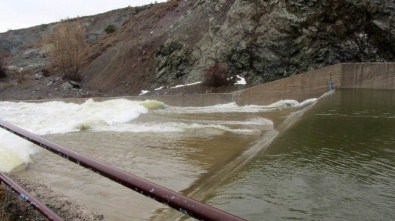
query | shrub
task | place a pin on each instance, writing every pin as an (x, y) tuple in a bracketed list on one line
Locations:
[(3, 67), (215, 76), (68, 43), (45, 72), (110, 29)]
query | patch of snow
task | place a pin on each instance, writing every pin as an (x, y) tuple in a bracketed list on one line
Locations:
[(143, 92), (241, 81), (185, 85), (159, 88)]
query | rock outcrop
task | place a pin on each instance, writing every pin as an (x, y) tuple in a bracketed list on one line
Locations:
[(264, 40)]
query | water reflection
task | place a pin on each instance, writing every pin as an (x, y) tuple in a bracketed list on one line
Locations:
[(337, 163)]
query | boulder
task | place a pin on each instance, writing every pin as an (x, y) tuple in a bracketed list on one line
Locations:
[(38, 75), (75, 84)]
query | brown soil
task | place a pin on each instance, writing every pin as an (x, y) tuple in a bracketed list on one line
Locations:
[(26, 87), (121, 63), (129, 54)]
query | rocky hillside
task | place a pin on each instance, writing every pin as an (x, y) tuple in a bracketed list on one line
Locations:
[(174, 42)]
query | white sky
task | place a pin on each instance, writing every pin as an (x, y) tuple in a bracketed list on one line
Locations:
[(16, 14)]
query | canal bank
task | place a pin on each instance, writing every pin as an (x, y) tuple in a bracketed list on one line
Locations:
[(297, 87)]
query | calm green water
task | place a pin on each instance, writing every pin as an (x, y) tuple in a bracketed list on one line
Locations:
[(336, 163)]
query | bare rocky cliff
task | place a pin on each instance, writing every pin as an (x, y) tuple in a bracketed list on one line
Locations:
[(174, 42), (267, 40)]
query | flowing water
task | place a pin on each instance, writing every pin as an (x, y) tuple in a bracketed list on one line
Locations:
[(336, 163), (332, 159)]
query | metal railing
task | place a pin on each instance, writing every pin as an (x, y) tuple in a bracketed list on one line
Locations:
[(24, 195), (161, 194)]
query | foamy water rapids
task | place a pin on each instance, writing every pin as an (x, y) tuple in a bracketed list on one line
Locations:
[(118, 115)]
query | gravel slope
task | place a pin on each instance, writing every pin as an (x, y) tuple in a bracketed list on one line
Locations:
[(13, 208)]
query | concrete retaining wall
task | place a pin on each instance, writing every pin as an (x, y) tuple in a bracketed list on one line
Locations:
[(315, 83), (298, 87), (190, 100), (368, 75)]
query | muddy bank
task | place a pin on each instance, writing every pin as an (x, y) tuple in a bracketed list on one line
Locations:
[(13, 208)]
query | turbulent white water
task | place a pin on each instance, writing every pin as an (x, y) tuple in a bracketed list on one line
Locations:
[(118, 115), (14, 151), (234, 108), (58, 117)]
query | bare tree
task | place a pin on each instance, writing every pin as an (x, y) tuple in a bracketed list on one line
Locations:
[(68, 43)]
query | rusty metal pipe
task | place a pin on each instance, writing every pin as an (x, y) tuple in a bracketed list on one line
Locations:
[(161, 194), (24, 195)]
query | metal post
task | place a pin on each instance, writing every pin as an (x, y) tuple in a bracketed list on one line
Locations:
[(161, 194), (330, 82), (24, 195)]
